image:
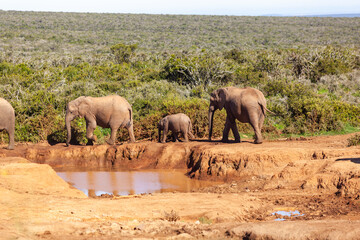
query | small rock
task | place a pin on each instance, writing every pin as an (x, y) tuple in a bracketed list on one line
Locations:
[(183, 236), (140, 227), (209, 234), (115, 227), (89, 231)]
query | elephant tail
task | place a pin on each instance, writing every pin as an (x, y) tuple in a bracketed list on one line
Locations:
[(131, 117), (264, 109)]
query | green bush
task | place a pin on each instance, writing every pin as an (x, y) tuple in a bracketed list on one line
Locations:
[(122, 52), (173, 67), (200, 70), (306, 88), (354, 140)]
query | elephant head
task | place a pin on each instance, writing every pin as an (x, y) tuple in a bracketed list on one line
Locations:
[(217, 101), (76, 108)]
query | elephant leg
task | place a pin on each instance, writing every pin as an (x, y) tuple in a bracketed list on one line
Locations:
[(175, 137), (111, 140), (261, 121), (255, 123), (11, 133), (191, 135), (90, 127), (159, 133), (186, 137), (131, 133), (227, 127), (235, 131)]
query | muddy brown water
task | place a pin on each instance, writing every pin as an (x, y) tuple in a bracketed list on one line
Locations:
[(95, 182)]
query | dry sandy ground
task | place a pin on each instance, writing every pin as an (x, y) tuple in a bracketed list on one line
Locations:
[(319, 177)]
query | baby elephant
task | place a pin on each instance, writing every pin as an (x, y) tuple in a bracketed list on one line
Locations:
[(176, 123)]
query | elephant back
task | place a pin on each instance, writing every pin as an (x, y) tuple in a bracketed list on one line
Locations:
[(5, 106)]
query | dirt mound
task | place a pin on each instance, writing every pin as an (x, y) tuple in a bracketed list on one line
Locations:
[(317, 177), (20, 176), (305, 163)]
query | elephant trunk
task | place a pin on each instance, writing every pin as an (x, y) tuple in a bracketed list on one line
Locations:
[(159, 128), (211, 121), (68, 129)]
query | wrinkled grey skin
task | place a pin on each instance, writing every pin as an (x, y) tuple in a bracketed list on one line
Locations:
[(7, 121), (176, 123), (248, 105), (107, 112)]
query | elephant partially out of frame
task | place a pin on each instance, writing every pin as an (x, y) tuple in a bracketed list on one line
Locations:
[(107, 112), (248, 105), (7, 121), (176, 123)]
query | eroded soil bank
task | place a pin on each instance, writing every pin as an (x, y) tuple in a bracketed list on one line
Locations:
[(319, 177)]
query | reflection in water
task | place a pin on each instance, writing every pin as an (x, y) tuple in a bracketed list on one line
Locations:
[(95, 183), (281, 214)]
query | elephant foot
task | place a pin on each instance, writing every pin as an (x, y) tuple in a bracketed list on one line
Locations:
[(110, 142), (237, 140), (225, 140), (258, 141), (92, 141), (10, 148)]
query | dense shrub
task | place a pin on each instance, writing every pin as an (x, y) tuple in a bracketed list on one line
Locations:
[(200, 70), (122, 52), (314, 64), (354, 140), (170, 64)]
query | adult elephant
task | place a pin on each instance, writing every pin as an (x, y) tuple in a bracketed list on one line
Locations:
[(7, 121), (248, 105), (107, 112)]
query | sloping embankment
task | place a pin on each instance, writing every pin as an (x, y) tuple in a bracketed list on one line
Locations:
[(294, 164)]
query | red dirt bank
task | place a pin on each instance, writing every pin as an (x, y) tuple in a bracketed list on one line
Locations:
[(320, 177)]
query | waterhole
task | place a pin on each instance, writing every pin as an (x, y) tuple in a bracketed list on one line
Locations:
[(282, 214), (122, 182)]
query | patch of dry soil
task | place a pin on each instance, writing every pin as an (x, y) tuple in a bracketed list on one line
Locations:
[(319, 177)]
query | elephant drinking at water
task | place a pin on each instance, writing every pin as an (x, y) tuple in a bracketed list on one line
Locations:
[(248, 105), (107, 112)]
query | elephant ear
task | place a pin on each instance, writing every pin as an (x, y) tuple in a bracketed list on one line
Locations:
[(221, 97), (160, 123), (164, 121), (84, 107)]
